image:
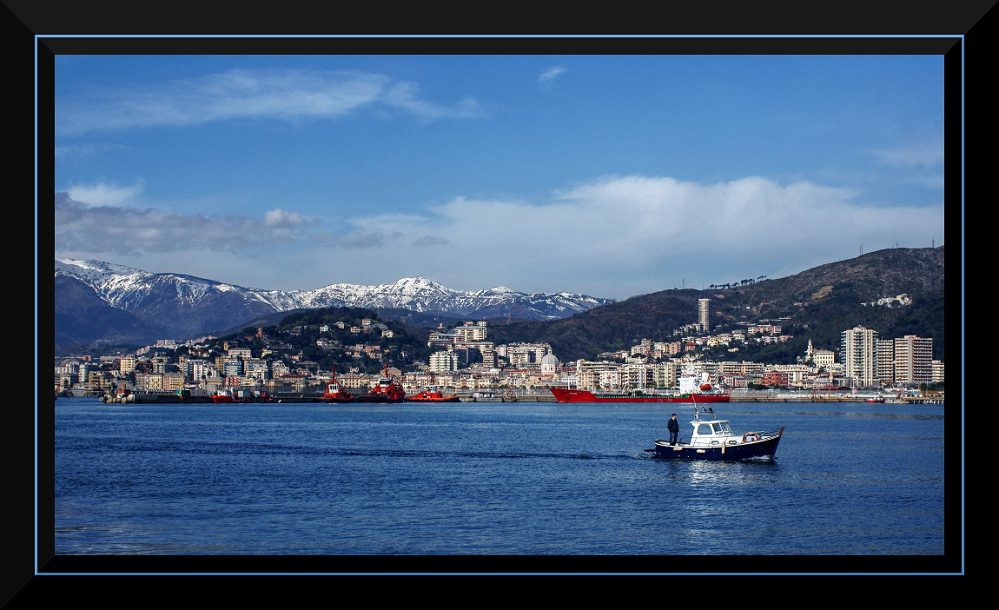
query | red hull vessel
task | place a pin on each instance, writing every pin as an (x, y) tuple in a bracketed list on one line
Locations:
[(430, 395), (564, 395), (335, 392), (387, 390)]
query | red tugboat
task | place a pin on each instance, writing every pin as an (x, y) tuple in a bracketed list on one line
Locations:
[(387, 390), (432, 395), (335, 392), (225, 396)]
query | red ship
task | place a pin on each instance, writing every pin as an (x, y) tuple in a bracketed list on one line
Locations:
[(335, 392), (387, 390), (432, 395), (567, 395), (226, 397)]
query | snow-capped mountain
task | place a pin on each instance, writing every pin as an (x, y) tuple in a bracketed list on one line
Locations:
[(182, 305)]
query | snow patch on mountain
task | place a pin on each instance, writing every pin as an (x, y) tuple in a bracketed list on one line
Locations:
[(132, 289)]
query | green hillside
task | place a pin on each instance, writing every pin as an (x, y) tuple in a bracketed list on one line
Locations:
[(816, 304)]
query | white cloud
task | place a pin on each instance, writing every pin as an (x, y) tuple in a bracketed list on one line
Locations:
[(550, 73), (911, 157), (102, 194), (267, 94), (613, 237)]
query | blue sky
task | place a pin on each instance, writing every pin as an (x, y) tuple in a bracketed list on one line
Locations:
[(610, 175)]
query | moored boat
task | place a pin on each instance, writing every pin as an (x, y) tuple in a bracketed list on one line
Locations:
[(226, 397), (431, 395), (714, 440), (386, 390), (335, 392), (569, 395), (693, 389)]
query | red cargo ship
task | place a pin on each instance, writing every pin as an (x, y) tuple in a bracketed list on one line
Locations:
[(566, 395)]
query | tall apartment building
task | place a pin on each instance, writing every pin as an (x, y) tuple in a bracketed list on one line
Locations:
[(858, 351), (907, 360), (704, 313), (913, 359), (443, 362)]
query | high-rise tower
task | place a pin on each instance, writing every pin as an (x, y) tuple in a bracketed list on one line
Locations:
[(858, 350), (703, 313)]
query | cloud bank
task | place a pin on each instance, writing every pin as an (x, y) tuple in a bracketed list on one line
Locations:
[(288, 95), (613, 237)]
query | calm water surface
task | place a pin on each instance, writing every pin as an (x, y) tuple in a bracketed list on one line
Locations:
[(490, 479)]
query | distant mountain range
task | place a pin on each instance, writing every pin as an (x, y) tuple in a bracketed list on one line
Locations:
[(100, 302), (97, 302)]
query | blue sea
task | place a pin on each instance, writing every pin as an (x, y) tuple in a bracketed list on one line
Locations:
[(476, 480)]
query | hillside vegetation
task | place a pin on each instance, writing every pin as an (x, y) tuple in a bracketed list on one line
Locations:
[(817, 304)]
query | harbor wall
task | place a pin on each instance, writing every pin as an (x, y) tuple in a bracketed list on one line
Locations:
[(173, 398)]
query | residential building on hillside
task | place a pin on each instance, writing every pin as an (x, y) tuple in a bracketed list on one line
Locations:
[(858, 350), (443, 362), (704, 313)]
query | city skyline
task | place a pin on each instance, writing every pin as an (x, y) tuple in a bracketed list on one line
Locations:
[(598, 174)]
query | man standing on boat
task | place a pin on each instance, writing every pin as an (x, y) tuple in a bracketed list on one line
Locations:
[(674, 429)]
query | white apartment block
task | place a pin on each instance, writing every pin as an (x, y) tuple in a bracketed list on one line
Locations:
[(913, 359), (704, 313), (858, 348), (443, 362), (938, 371), (473, 331)]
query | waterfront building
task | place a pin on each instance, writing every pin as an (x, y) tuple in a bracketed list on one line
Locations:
[(858, 351), (913, 360), (938, 371)]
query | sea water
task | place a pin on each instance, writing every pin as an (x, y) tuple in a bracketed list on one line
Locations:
[(488, 479)]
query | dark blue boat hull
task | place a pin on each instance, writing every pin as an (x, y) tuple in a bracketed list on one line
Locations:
[(761, 449)]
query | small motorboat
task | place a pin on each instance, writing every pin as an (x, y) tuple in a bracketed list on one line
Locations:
[(714, 440), (431, 395)]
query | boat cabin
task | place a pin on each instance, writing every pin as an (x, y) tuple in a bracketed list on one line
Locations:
[(714, 433)]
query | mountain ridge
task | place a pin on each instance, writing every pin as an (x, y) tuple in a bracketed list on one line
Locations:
[(817, 304), (171, 305)]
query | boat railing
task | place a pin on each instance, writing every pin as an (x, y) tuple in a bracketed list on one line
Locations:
[(712, 440)]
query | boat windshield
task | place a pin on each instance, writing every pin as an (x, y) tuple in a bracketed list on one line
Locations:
[(721, 427)]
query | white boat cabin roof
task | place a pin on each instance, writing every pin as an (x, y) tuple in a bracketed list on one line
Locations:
[(711, 427)]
